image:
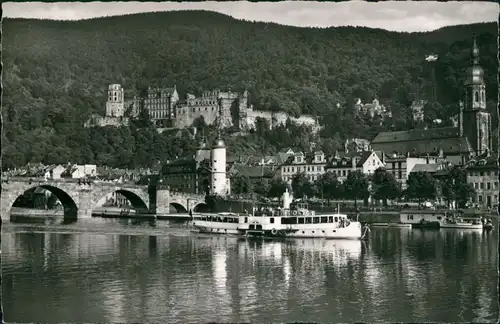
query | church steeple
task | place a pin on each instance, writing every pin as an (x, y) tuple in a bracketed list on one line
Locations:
[(475, 51), (475, 89), (478, 125)]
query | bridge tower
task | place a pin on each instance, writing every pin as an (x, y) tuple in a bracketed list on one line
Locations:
[(218, 157)]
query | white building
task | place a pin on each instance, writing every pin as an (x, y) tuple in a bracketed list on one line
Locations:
[(53, 172), (79, 171), (401, 165), (366, 162), (312, 165)]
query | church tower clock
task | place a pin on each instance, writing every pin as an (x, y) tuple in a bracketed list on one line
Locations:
[(476, 119)]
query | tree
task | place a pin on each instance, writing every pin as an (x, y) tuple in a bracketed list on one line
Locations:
[(385, 186), (420, 186), (301, 185), (261, 187), (240, 184), (277, 187), (328, 186), (356, 186), (454, 187)]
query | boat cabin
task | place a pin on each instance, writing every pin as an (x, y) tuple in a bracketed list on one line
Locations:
[(419, 216)]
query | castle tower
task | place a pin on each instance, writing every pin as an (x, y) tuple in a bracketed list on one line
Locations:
[(478, 125), (116, 100), (218, 157)]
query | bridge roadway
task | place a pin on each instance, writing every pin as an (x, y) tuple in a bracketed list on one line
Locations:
[(80, 197)]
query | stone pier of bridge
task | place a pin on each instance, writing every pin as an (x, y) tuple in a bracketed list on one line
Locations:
[(80, 198)]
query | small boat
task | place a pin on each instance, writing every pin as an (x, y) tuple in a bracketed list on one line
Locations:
[(454, 221), (462, 225), (295, 222), (397, 225)]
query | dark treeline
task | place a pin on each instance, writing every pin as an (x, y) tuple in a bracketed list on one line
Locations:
[(56, 74)]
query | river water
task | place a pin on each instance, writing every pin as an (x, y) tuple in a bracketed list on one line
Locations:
[(105, 270)]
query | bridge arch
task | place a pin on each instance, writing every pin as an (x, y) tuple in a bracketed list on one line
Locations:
[(68, 202), (135, 199), (201, 207), (179, 208)]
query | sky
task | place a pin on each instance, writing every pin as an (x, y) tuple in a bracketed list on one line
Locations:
[(405, 16)]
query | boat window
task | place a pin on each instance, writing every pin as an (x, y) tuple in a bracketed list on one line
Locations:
[(293, 220), (271, 220), (259, 227), (439, 217), (330, 219), (246, 219), (308, 220), (410, 217), (324, 219), (315, 220), (224, 220), (336, 219), (300, 220)]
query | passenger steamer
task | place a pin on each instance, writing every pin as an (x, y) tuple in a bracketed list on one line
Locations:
[(286, 222)]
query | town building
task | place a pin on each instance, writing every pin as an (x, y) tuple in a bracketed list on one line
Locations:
[(51, 172), (482, 174), (366, 162), (311, 164), (401, 165), (372, 109), (203, 173), (75, 171), (457, 144), (254, 173)]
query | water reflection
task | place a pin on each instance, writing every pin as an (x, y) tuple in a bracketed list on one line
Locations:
[(397, 275)]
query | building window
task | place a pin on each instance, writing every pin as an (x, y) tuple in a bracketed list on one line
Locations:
[(481, 185), (488, 186)]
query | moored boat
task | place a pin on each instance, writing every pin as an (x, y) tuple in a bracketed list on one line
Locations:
[(461, 224), (423, 218), (295, 222), (397, 225)]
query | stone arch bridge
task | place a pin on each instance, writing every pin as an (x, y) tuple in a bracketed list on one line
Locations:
[(78, 199)]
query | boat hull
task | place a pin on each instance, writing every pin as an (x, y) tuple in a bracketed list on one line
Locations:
[(463, 226), (352, 232)]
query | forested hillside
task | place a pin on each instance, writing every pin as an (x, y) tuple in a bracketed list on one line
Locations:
[(55, 74)]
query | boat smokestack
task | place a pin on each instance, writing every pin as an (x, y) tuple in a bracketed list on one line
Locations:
[(286, 199)]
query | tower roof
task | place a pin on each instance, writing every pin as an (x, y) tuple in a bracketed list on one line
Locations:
[(475, 73), (218, 143)]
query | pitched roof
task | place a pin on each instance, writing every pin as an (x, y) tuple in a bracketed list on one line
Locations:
[(417, 135), (253, 171), (429, 141), (484, 161), (430, 168), (364, 156)]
